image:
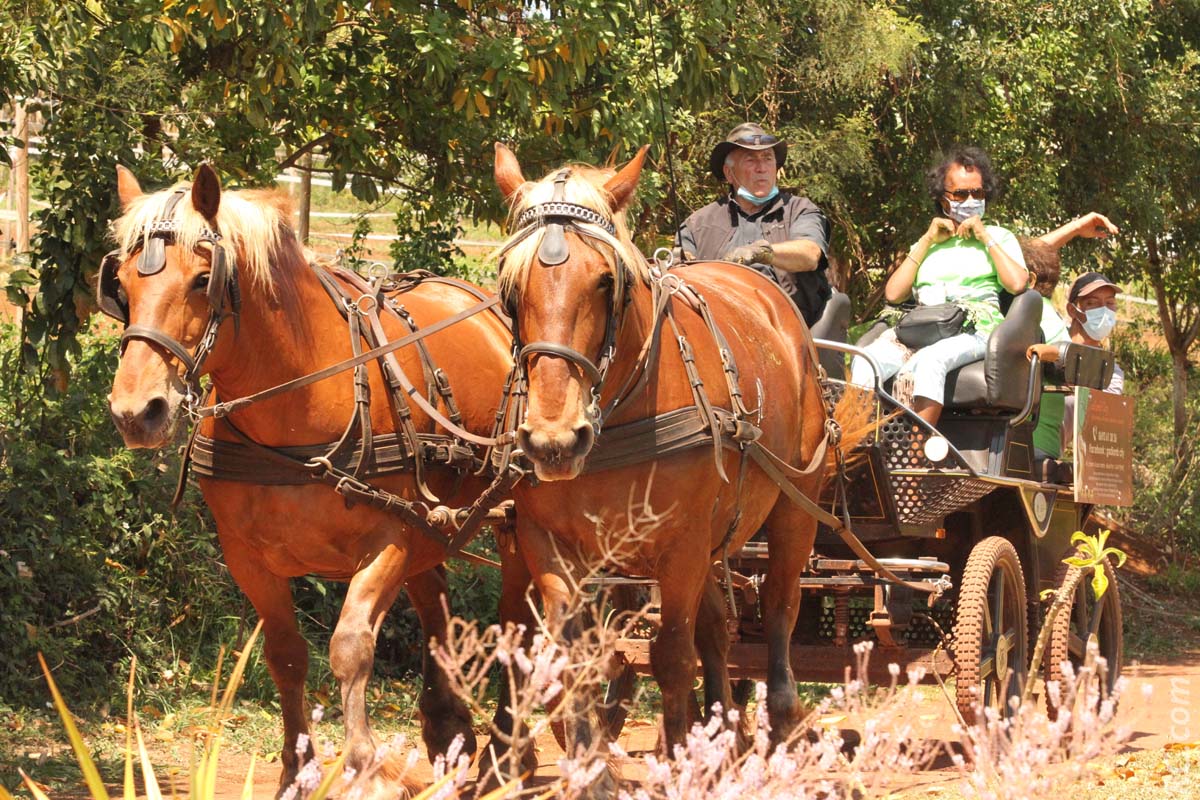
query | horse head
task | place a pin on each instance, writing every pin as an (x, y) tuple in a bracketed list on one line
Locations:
[(566, 274), (173, 283)]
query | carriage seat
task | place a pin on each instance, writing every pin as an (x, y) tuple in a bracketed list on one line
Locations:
[(833, 326), (1000, 381)]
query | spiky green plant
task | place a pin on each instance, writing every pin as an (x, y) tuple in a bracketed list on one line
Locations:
[(203, 781), (1092, 554)]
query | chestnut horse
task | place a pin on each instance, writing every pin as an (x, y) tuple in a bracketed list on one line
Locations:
[(584, 312), (287, 327)]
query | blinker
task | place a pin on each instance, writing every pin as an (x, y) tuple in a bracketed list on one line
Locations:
[(153, 257), (108, 288)]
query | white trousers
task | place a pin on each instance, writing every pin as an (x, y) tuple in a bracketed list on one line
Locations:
[(928, 366)]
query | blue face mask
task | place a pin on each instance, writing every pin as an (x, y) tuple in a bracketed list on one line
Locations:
[(965, 209), (758, 201), (1099, 322)]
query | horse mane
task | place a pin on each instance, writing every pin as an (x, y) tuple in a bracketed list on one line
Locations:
[(584, 187), (254, 223)]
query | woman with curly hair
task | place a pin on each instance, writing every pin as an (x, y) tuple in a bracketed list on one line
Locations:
[(958, 260)]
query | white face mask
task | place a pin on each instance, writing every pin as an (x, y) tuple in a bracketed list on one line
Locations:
[(965, 209), (1099, 322)]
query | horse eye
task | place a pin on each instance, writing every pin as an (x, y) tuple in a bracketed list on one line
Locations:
[(606, 283), (200, 281)]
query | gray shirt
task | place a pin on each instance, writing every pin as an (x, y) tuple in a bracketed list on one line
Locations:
[(718, 227)]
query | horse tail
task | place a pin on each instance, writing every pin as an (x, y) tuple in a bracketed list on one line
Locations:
[(856, 418)]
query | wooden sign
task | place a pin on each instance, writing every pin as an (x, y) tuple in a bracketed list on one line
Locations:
[(1103, 448)]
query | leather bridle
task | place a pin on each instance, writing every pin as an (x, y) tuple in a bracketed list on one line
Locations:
[(556, 218), (224, 295)]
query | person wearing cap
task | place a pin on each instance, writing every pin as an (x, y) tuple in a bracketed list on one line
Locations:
[(782, 235), (1044, 260), (1092, 309), (959, 261)]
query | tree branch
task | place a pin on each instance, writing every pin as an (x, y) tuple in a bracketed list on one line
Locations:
[(300, 152)]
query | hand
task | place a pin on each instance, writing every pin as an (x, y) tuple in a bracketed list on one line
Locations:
[(1047, 353), (759, 252), (940, 230), (679, 255), (1095, 226), (972, 228)]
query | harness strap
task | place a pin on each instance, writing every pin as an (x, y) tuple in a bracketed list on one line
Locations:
[(703, 405), (767, 462), (160, 339), (347, 485), (225, 408), (648, 353)]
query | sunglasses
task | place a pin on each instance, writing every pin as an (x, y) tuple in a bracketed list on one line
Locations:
[(963, 194), (756, 140)]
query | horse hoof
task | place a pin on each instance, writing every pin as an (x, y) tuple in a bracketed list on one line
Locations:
[(438, 729)]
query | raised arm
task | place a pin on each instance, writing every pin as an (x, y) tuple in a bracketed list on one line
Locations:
[(1093, 225), (899, 284)]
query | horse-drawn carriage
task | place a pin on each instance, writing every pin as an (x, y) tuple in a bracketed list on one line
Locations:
[(425, 407), (958, 508)]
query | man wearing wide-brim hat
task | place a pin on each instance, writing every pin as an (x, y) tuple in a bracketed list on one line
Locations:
[(780, 234)]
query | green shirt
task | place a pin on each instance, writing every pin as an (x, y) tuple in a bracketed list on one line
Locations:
[(1047, 436), (960, 270)]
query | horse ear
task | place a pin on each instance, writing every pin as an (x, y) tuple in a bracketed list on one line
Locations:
[(128, 188), (622, 185), (508, 171), (206, 192)]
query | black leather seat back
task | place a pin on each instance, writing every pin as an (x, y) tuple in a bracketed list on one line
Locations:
[(1001, 381), (833, 326)]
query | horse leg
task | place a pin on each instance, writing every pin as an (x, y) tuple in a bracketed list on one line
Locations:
[(508, 733), (284, 648), (443, 714), (372, 591), (712, 643), (790, 537), (554, 575), (673, 651)]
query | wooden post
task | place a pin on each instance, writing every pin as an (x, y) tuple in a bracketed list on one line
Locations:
[(305, 196), (20, 171)]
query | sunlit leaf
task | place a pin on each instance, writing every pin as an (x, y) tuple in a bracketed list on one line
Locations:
[(90, 774)]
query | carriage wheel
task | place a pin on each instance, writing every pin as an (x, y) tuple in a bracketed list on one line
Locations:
[(1068, 636), (991, 629)]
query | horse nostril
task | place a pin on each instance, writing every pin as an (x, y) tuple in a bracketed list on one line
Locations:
[(155, 413), (585, 436)]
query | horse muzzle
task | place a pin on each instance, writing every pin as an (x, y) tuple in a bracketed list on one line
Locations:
[(557, 454), (145, 422)]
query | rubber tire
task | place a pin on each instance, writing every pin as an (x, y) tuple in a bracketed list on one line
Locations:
[(993, 567), (1110, 633)]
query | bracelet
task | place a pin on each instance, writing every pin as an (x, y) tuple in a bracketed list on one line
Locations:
[(987, 244)]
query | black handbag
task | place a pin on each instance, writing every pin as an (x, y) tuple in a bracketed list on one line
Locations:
[(925, 325)]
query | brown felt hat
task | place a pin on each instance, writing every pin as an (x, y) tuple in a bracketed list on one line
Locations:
[(748, 136)]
